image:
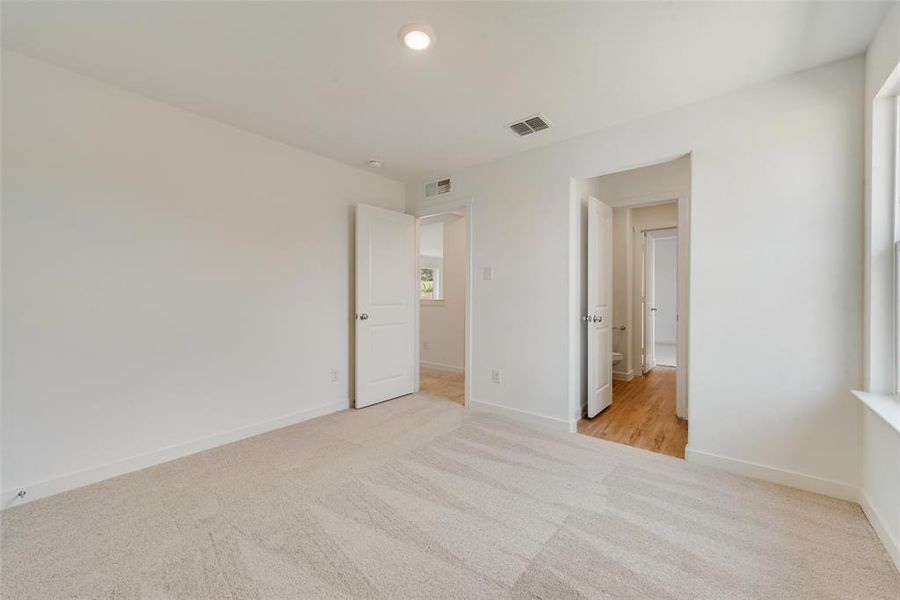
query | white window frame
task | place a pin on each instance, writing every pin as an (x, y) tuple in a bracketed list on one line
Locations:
[(881, 357), (896, 223)]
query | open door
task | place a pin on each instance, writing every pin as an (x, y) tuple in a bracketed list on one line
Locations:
[(385, 304), (648, 302), (599, 305)]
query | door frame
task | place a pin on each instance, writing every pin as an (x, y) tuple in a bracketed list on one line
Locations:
[(429, 209), (653, 233), (644, 283), (682, 293)]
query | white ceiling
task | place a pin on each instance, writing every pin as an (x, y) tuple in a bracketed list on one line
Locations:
[(333, 79)]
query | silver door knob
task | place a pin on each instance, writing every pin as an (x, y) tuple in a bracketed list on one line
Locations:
[(653, 310), (586, 318), (597, 319), (363, 317)]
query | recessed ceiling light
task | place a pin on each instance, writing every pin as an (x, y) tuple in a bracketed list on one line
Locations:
[(416, 37), (375, 163)]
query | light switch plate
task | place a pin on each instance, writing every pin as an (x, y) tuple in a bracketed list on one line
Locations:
[(488, 273)]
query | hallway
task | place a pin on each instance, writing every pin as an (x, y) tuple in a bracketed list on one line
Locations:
[(443, 384), (642, 415)]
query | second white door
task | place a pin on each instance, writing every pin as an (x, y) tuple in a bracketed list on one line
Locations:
[(599, 307)]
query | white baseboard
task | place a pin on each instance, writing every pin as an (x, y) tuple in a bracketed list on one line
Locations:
[(526, 417), (624, 375), (441, 367), (828, 487), (891, 544), (79, 479)]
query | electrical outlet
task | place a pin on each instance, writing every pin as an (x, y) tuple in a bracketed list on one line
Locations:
[(425, 345), (497, 376), (335, 376)]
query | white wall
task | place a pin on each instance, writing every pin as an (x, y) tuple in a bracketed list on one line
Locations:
[(880, 492), (664, 270), (776, 223), (442, 325), (169, 282), (431, 239)]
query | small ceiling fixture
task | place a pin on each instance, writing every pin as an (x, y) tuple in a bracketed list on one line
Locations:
[(375, 163), (416, 37)]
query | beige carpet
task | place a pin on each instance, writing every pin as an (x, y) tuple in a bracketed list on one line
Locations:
[(420, 498)]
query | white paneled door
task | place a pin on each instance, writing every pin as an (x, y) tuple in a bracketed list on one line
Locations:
[(599, 306), (385, 304)]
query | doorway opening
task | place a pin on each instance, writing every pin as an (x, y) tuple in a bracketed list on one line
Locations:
[(444, 303), (635, 306), (659, 306), (398, 277)]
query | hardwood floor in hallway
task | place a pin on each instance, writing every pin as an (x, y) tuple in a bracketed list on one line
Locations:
[(642, 414), (442, 383)]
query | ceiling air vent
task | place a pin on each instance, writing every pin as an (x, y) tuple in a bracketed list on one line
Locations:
[(530, 125), (437, 187)]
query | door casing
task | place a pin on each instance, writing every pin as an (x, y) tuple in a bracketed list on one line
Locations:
[(437, 207), (682, 296)]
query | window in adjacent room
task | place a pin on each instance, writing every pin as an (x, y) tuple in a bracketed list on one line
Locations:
[(431, 260), (430, 283)]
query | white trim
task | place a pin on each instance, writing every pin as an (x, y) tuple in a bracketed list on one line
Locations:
[(526, 417), (441, 367), (828, 487), (880, 363), (624, 375), (884, 405), (891, 544), (79, 479), (644, 200), (436, 207)]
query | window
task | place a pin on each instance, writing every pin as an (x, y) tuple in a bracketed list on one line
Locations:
[(882, 334), (896, 232), (431, 261), (430, 283)]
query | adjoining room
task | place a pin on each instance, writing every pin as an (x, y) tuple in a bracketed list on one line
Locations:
[(442, 307), (635, 392)]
